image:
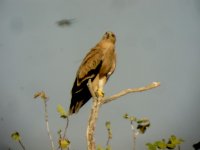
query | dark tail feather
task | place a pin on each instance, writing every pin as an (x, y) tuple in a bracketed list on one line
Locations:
[(79, 99)]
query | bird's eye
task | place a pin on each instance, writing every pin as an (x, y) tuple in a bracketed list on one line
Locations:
[(112, 35)]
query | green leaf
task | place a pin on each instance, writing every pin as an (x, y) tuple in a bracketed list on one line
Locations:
[(144, 122), (171, 146), (108, 126), (125, 116), (16, 136), (142, 129), (161, 144), (151, 146), (99, 147), (61, 111), (142, 125), (174, 140), (132, 118), (108, 147), (64, 143)]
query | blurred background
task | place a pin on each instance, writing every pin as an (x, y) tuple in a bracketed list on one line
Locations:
[(156, 41)]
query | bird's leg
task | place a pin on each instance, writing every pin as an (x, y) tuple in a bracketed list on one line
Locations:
[(100, 91)]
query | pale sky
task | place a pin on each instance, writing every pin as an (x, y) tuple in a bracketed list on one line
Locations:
[(157, 40)]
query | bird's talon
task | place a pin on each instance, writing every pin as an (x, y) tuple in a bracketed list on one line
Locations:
[(100, 93)]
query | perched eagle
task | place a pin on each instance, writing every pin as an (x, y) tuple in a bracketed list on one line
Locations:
[(98, 65)]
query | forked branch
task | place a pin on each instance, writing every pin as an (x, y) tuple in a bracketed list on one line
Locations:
[(98, 101)]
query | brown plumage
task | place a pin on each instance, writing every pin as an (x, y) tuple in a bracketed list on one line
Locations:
[(97, 65)]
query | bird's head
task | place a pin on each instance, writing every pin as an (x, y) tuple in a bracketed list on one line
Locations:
[(110, 36)]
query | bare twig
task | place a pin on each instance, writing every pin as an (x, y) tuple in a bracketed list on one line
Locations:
[(47, 124), (16, 137), (108, 140), (133, 90), (179, 147), (44, 97), (108, 126), (66, 127), (135, 134), (22, 145)]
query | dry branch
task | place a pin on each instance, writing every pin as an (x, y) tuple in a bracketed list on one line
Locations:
[(96, 104), (22, 145), (133, 90), (92, 118), (47, 125), (44, 97)]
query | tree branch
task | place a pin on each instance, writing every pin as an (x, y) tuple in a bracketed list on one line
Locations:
[(96, 104), (127, 91), (66, 127), (22, 145), (92, 118), (47, 125)]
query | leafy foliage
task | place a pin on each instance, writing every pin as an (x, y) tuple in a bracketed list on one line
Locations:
[(161, 144), (137, 125), (64, 143), (172, 143), (141, 124), (151, 146), (61, 111), (16, 136)]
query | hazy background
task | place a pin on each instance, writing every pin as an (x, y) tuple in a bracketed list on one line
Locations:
[(157, 40)]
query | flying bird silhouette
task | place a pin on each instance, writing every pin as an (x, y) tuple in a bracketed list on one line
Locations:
[(98, 65)]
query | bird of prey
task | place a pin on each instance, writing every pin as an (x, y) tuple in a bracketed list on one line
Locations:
[(98, 65)]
